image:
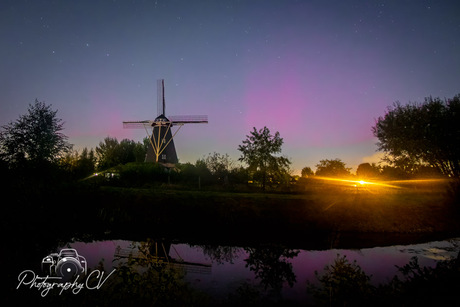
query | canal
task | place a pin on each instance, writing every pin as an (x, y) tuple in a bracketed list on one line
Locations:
[(221, 271)]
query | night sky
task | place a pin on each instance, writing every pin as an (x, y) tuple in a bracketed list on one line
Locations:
[(319, 72)]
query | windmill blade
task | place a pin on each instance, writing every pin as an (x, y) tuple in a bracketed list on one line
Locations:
[(137, 124), (161, 106), (189, 119)]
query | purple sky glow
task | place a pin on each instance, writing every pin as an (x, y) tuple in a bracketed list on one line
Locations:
[(319, 72)]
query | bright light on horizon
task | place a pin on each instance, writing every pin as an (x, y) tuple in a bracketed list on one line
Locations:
[(355, 183), (395, 184)]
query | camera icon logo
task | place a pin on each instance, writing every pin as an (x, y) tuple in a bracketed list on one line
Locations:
[(67, 264)]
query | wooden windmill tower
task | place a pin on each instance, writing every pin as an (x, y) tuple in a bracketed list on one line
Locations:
[(162, 147)]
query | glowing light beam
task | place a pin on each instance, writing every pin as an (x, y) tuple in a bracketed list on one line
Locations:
[(357, 183)]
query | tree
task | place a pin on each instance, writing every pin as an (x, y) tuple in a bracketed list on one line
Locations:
[(220, 166), (420, 134), (332, 168), (367, 170), (130, 151), (79, 165), (306, 172), (112, 153), (106, 153), (258, 152), (35, 137), (203, 172)]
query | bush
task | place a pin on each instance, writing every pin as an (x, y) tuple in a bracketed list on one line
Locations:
[(343, 283), (139, 174)]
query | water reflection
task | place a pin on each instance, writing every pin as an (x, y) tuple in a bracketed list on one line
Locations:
[(271, 264), (234, 274), (221, 254), (158, 254), (151, 276)]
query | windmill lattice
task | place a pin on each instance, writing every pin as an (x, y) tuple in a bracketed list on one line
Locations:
[(162, 147)]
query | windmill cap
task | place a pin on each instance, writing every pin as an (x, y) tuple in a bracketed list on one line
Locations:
[(160, 119)]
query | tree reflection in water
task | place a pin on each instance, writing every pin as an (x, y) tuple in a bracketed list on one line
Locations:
[(221, 254), (270, 264)]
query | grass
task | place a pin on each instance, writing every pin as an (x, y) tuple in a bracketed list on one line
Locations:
[(318, 211), (320, 214)]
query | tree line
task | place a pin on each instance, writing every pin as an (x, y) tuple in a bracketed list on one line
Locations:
[(418, 139)]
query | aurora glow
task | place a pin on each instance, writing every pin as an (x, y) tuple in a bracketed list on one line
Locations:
[(319, 72)]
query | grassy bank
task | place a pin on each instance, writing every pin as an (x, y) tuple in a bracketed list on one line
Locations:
[(320, 216), (334, 212)]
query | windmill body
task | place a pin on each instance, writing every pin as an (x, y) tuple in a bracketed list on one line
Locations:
[(161, 144), (161, 147)]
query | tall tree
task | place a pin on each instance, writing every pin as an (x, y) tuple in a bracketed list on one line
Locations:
[(418, 134), (106, 153), (259, 153), (35, 137)]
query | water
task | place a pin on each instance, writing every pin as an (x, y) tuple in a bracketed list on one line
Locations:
[(221, 270)]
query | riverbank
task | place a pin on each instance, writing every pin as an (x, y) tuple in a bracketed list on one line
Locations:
[(334, 219), (318, 218), (37, 223)]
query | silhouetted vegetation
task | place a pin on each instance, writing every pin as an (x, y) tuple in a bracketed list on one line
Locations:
[(346, 284), (111, 153), (367, 171), (121, 163), (421, 137), (79, 165), (343, 283), (422, 134), (35, 137), (306, 172), (55, 194), (41, 192), (332, 168), (258, 152)]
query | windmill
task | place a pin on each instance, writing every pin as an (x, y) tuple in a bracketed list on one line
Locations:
[(162, 147)]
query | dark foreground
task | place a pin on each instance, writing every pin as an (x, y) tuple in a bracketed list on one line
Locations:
[(36, 223)]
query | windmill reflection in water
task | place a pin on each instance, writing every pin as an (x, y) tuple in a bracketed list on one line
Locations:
[(157, 253)]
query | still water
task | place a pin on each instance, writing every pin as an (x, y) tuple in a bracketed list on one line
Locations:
[(220, 270)]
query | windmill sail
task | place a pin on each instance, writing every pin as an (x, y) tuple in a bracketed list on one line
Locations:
[(161, 105), (173, 119)]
